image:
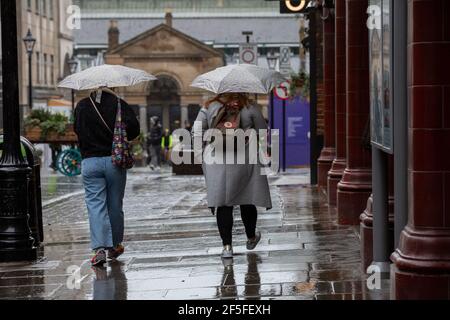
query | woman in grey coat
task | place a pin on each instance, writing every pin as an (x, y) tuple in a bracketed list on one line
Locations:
[(232, 184)]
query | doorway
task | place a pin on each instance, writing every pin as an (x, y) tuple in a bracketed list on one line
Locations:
[(164, 101)]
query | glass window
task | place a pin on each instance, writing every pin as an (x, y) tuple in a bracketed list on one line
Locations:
[(52, 69), (38, 67), (50, 9), (45, 69), (387, 108), (38, 6), (44, 7), (29, 5), (375, 72), (380, 74)]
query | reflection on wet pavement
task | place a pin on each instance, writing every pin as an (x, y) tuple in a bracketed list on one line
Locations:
[(173, 248), (110, 285)]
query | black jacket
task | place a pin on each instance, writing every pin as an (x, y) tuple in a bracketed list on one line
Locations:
[(94, 138), (154, 136)]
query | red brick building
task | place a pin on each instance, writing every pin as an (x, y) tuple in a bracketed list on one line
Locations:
[(384, 165)]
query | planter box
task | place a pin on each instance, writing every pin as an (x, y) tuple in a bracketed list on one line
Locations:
[(35, 135)]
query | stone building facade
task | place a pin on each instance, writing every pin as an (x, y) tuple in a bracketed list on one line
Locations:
[(216, 28), (175, 59), (54, 46)]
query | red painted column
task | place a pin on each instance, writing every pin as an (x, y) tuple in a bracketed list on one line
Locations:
[(340, 162), (356, 184), (328, 152), (423, 257)]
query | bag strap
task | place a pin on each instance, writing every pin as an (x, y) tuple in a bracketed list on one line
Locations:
[(98, 112)]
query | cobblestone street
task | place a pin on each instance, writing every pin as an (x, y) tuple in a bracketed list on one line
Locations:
[(173, 247)]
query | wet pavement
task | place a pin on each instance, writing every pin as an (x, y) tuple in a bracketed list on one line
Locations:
[(173, 247)]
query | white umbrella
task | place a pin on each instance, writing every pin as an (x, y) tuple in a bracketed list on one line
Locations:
[(245, 78), (111, 76)]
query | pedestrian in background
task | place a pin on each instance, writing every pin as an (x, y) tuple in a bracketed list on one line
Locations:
[(230, 185), (104, 182), (154, 138), (166, 145)]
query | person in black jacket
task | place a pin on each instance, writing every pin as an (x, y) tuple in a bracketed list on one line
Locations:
[(104, 183), (154, 143)]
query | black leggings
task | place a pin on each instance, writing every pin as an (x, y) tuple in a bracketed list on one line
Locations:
[(249, 216)]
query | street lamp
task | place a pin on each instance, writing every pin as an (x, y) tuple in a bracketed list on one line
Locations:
[(29, 42), (272, 60), (73, 66)]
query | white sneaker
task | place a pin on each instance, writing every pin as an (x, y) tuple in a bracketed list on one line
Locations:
[(227, 252)]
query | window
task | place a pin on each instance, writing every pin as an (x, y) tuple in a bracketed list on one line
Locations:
[(45, 69), (29, 5), (380, 77), (38, 67), (50, 9), (52, 69), (44, 7), (38, 6)]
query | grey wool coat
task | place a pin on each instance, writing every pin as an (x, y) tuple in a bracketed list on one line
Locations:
[(234, 184)]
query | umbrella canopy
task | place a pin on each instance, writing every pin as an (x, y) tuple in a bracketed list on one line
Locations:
[(111, 76), (245, 78)]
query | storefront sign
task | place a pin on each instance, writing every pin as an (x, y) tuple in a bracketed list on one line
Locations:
[(379, 24), (293, 6)]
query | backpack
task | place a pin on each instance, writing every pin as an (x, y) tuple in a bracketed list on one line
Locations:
[(228, 118)]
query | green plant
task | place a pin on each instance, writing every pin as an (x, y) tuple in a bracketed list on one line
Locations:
[(137, 145), (300, 85), (48, 122), (36, 117)]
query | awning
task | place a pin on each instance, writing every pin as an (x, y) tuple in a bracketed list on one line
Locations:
[(59, 103)]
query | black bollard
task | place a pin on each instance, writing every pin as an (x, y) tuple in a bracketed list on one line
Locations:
[(16, 242), (35, 196)]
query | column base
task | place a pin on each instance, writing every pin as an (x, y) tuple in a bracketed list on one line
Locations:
[(422, 261), (324, 164), (334, 177), (414, 286), (353, 191), (16, 243)]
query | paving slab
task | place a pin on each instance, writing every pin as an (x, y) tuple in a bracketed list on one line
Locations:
[(173, 247)]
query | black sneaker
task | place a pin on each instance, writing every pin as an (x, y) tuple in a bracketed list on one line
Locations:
[(252, 243)]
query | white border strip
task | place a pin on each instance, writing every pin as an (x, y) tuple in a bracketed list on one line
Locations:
[(61, 198)]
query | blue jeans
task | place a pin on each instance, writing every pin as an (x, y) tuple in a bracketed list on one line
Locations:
[(104, 186)]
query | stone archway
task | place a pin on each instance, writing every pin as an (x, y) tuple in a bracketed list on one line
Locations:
[(164, 101)]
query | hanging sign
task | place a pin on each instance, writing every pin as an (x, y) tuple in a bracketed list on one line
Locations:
[(285, 61), (248, 53)]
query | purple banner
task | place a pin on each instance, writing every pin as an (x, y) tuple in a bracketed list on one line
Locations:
[(297, 130)]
